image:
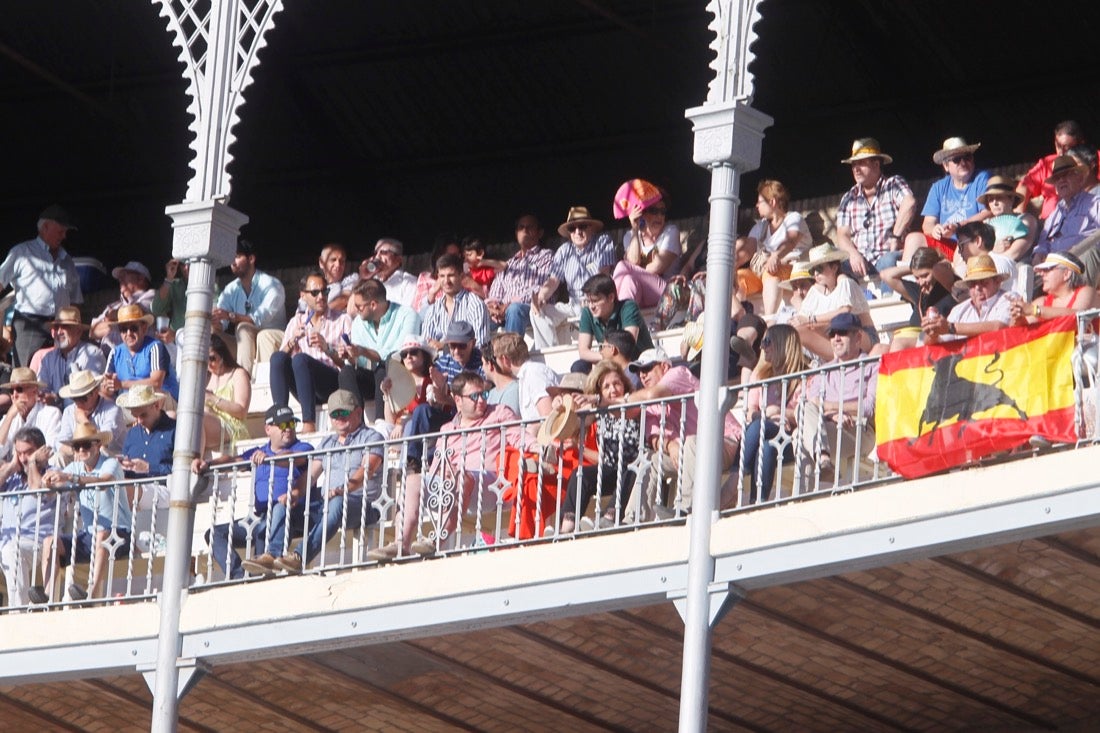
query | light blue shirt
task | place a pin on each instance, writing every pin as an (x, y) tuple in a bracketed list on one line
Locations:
[(42, 284), (31, 514), (339, 464), (56, 368), (102, 508), (573, 266), (397, 323), (266, 304)]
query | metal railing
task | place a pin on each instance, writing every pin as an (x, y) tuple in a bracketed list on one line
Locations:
[(477, 489)]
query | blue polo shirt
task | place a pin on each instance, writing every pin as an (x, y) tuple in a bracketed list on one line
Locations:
[(151, 356), (276, 477), (154, 446)]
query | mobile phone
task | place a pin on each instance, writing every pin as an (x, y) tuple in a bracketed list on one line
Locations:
[(346, 339)]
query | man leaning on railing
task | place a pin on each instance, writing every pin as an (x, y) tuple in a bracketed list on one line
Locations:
[(28, 518), (279, 497)]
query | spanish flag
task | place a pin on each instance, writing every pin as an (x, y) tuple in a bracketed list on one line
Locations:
[(944, 405)]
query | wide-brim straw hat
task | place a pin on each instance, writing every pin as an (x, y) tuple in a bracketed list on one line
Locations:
[(403, 383), (953, 146), (571, 382), (68, 316), (799, 271), (133, 313), (982, 267), (1000, 186), (80, 384), (88, 431), (561, 423), (867, 147), (693, 337), (1063, 164), (579, 215), (22, 377), (827, 252), (139, 395)]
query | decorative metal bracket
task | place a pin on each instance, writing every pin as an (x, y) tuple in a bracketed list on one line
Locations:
[(218, 42), (733, 27)]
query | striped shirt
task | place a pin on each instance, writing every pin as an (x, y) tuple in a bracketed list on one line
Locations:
[(451, 368), (468, 307), (574, 266), (522, 276)]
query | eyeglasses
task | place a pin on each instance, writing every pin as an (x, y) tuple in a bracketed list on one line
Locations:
[(129, 327), (84, 397), (20, 389), (390, 252), (767, 342), (960, 242), (407, 354), (474, 397), (285, 425), (576, 227), (213, 357), (316, 293), (961, 158), (817, 270), (657, 210), (84, 444), (459, 345), (340, 414), (604, 346)]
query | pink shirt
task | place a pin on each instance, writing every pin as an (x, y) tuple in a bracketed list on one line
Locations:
[(332, 328), (480, 449)]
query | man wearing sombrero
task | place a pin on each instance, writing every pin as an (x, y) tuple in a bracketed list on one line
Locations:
[(27, 411), (586, 252), (876, 213), (952, 200), (87, 405), (139, 359), (1075, 216), (147, 450), (72, 354), (988, 309)]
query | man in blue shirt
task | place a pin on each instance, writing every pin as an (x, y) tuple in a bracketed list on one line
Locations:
[(279, 487), (345, 479), (139, 359), (147, 450), (251, 309), (27, 519), (377, 331), (44, 277)]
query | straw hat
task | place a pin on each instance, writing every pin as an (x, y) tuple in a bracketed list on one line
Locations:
[(80, 384), (693, 337), (1000, 186), (571, 382), (68, 316), (953, 146), (139, 395), (799, 271), (579, 215), (982, 267), (403, 383), (561, 423), (823, 253), (867, 147), (87, 431), (22, 376), (1063, 164), (133, 313)]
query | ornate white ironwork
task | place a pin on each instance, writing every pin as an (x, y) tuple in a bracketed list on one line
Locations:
[(733, 26), (219, 43)]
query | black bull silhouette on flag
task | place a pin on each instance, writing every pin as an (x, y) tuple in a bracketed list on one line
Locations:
[(953, 396)]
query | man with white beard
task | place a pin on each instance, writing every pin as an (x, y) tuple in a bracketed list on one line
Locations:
[(71, 354)]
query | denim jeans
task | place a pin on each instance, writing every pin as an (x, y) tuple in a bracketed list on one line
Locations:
[(311, 381), (517, 317), (267, 535), (761, 460), (322, 528)]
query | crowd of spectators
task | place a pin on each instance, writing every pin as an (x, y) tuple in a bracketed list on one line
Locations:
[(454, 348)]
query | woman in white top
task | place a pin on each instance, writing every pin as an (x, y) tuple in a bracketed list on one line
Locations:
[(780, 238), (833, 293), (651, 257)]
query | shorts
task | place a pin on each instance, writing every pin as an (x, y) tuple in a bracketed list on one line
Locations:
[(84, 543)]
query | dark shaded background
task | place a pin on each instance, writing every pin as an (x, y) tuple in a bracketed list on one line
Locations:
[(411, 118)]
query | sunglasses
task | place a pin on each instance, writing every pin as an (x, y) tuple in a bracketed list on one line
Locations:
[(867, 220), (767, 342), (340, 414), (20, 389), (576, 227), (474, 397), (84, 445), (459, 345), (407, 354), (389, 252), (129, 328), (960, 158), (658, 210), (816, 270), (285, 425), (84, 397), (316, 293)]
